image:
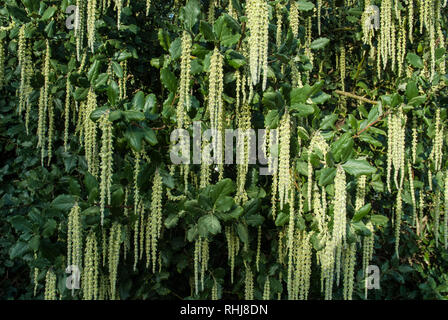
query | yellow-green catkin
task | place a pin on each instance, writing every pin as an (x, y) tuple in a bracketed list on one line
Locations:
[(196, 262), (414, 139), (118, 7), (284, 177), (340, 219), (80, 22), (294, 18), (257, 258), (67, 112), (437, 218), (267, 289), (35, 276), (50, 128), (291, 244), (398, 216), (114, 256), (215, 291), (279, 16), (184, 86), (303, 264), (43, 102), (367, 252), (438, 142), (257, 23), (74, 237), (148, 6), (349, 270), (50, 286), (204, 260), (396, 148), (211, 12), (90, 276), (106, 155), (410, 8), (319, 10), (91, 18), (412, 191), (216, 107), (26, 72), (342, 67), (248, 284), (445, 218), (155, 218), (360, 192), (2, 63), (89, 131)]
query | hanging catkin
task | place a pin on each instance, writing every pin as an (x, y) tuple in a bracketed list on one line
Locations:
[(74, 237), (154, 225), (284, 179), (91, 18), (50, 286), (184, 87), (340, 212), (106, 155), (258, 22), (91, 269), (114, 256), (216, 107)]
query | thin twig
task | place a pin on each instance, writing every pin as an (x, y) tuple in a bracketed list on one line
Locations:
[(354, 96), (371, 124)]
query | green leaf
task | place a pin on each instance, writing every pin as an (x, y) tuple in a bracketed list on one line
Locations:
[(207, 31), (305, 5), (134, 137), (118, 70), (223, 204), (49, 228), (17, 13), (171, 220), (133, 115), (168, 79), (48, 13), (208, 224), (282, 219), (362, 212), (20, 223), (164, 39), (360, 228), (223, 188), (319, 43), (417, 101), (358, 167), (343, 147), (379, 220), (189, 13), (411, 90), (243, 233), (112, 93), (272, 119), (303, 110), (97, 113), (255, 220), (414, 60), (272, 100), (326, 176), (63, 202)]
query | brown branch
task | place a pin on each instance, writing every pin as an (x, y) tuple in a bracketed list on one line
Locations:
[(371, 124), (243, 30), (354, 96)]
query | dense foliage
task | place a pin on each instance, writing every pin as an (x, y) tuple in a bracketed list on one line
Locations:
[(90, 97)]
